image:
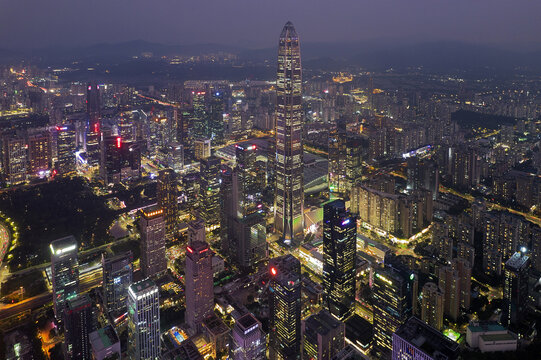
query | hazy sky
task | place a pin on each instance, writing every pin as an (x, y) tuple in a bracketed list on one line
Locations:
[(257, 23)]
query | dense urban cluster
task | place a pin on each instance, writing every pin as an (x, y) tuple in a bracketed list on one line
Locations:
[(315, 215)]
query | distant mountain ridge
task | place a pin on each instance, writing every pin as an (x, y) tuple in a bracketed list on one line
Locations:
[(439, 56)]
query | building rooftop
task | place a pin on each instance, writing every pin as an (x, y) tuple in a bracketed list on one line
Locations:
[(64, 245), (152, 212), (359, 331), (103, 338), (499, 337), (517, 262), (322, 322), (428, 340), (486, 327), (146, 285), (247, 321), (215, 325)]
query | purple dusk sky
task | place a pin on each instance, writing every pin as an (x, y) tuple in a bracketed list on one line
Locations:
[(257, 23)]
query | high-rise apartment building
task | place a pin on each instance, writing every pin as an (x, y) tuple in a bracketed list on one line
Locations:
[(199, 284), (14, 158), (323, 336), (432, 305), (39, 152), (339, 259), (248, 341), (78, 324), (285, 308), (455, 282), (167, 196), (152, 230), (64, 271), (117, 277), (289, 192), (515, 290), (144, 321)]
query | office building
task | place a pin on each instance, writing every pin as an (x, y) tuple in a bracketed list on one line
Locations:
[(217, 334), (39, 153), (285, 308), (64, 272), (337, 159), (117, 277), (432, 305), (515, 290), (14, 159), (289, 192), (393, 289), (78, 324), (339, 259), (248, 341), (65, 149), (167, 196), (417, 340), (144, 321), (323, 336), (199, 284), (209, 192), (105, 344), (152, 229), (203, 148), (248, 240), (93, 127), (196, 231)]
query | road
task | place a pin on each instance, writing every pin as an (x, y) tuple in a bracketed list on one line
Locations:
[(87, 282)]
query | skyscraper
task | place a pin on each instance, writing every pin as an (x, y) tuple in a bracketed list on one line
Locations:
[(93, 128), (289, 195), (323, 336), (117, 277), (199, 283), (152, 229), (209, 191), (167, 195), (39, 152), (339, 255), (144, 321), (515, 290), (337, 158), (285, 308), (78, 324), (65, 144), (393, 303), (65, 272), (248, 340)]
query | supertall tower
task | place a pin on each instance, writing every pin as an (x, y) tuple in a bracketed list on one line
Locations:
[(289, 195)]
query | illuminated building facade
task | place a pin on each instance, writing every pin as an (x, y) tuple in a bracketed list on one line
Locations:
[(152, 229), (199, 284), (117, 277), (14, 159), (248, 341), (167, 196), (203, 148), (209, 191), (515, 290), (78, 324), (432, 305), (144, 321), (455, 282), (323, 336), (93, 128), (289, 192), (64, 271), (338, 159), (66, 144), (393, 289), (39, 152), (339, 258), (285, 308)]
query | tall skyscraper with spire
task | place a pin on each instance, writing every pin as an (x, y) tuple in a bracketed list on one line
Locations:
[(289, 195)]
